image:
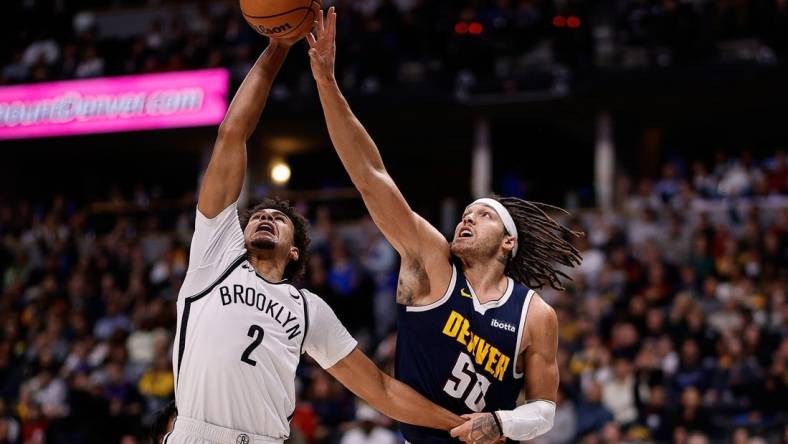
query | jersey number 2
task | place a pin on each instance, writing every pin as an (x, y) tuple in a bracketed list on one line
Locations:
[(256, 332), (465, 383)]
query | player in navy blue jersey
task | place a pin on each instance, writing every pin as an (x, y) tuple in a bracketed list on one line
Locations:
[(472, 334)]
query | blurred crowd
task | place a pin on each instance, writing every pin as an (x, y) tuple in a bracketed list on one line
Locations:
[(683, 184), (87, 303), (672, 330), (445, 45), (675, 326)]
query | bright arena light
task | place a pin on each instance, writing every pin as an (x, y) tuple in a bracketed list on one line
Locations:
[(280, 173)]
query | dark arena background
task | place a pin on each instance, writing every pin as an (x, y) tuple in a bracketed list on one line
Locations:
[(660, 124)]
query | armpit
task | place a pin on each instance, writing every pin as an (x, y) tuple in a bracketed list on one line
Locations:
[(413, 282)]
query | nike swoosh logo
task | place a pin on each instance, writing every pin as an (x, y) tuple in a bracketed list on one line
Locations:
[(464, 293)]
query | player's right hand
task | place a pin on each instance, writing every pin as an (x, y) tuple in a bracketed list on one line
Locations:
[(322, 47), (479, 429)]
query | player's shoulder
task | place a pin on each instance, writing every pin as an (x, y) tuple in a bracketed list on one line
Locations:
[(313, 300), (541, 315), (541, 325), (307, 293)]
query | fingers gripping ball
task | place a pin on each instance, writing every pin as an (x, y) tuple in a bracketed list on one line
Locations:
[(287, 19)]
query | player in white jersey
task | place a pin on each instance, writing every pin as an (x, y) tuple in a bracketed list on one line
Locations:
[(242, 326)]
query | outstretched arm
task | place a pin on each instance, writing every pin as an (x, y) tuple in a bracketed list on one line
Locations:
[(331, 346), (224, 177), (422, 247), (393, 398)]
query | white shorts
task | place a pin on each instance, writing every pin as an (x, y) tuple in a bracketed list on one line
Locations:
[(192, 431)]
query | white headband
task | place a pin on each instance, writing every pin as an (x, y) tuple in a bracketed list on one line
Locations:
[(506, 218)]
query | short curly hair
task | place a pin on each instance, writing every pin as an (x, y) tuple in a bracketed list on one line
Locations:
[(294, 270)]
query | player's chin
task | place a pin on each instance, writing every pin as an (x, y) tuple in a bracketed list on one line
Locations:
[(265, 243), (461, 248)]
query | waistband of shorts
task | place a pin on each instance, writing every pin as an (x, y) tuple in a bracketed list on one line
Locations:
[(218, 434)]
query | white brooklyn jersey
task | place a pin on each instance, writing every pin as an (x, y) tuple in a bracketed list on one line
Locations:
[(239, 337)]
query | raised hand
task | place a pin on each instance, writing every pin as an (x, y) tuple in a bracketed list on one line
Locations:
[(322, 47), (479, 429)]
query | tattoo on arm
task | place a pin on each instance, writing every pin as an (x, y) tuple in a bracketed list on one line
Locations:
[(485, 430)]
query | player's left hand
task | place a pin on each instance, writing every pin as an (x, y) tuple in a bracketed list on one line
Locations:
[(322, 47), (479, 429)]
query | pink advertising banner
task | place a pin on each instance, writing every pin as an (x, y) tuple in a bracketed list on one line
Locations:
[(114, 104)]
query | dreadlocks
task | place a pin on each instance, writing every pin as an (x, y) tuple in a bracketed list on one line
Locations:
[(542, 243)]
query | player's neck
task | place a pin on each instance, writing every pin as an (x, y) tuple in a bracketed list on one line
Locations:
[(487, 279), (268, 267)]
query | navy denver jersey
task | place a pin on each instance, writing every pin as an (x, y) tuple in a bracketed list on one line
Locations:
[(462, 354)]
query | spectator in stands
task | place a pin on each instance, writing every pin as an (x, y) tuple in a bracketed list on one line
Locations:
[(594, 414), (10, 431), (691, 416), (157, 384), (618, 392), (565, 422), (368, 430), (91, 64), (47, 392)]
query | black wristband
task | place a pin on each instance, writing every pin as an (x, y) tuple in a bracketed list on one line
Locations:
[(497, 422)]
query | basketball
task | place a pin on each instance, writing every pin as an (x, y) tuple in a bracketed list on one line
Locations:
[(289, 19)]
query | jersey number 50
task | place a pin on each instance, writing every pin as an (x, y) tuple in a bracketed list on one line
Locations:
[(465, 383)]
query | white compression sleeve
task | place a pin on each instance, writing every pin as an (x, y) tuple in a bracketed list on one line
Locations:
[(527, 421)]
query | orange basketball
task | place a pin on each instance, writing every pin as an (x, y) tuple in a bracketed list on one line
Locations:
[(289, 19)]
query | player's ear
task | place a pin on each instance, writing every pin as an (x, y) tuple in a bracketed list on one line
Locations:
[(294, 254), (509, 242)]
